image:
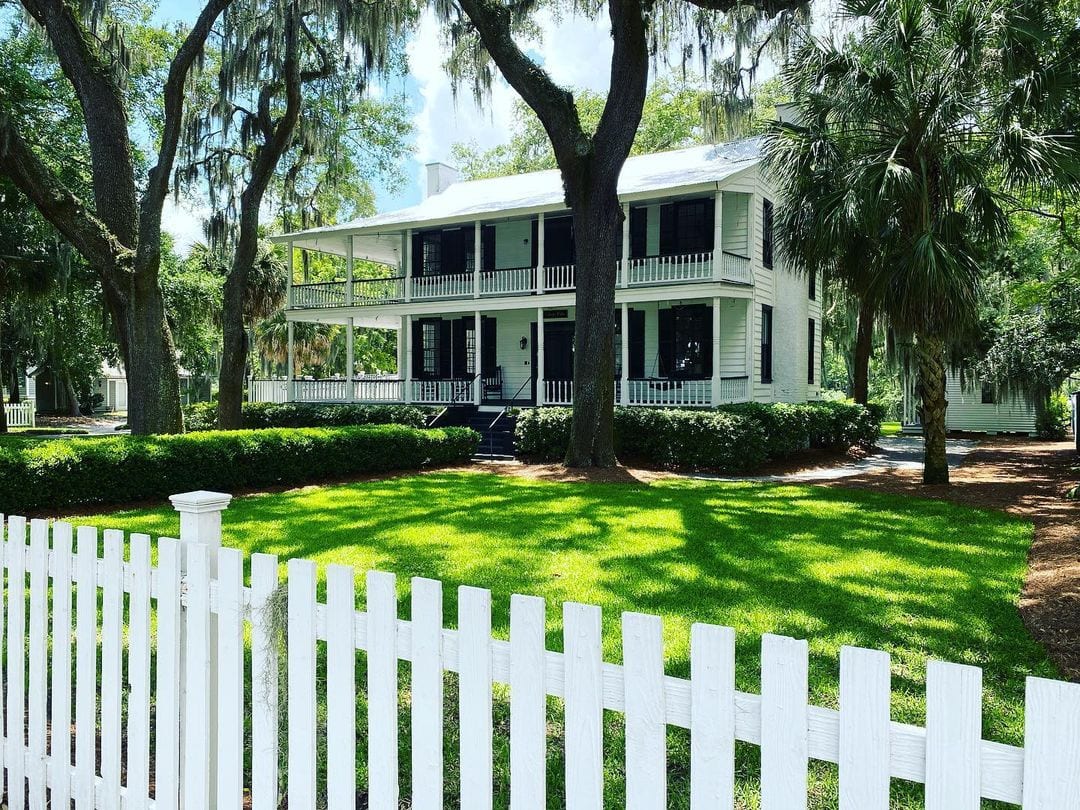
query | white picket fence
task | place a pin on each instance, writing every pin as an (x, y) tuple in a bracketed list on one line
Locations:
[(20, 414), (192, 748)]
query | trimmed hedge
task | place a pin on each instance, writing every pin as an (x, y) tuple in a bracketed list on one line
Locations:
[(733, 438), (124, 469), (255, 415)]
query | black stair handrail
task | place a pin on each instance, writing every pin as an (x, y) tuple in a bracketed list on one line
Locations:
[(454, 398), (501, 414)]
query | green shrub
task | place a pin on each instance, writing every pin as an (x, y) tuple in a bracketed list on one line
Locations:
[(1052, 419), (123, 469), (203, 415), (730, 438)]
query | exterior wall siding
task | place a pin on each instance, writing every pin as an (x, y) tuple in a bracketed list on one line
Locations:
[(967, 412), (513, 244)]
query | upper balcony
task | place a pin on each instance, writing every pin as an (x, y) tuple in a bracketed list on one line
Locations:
[(696, 240)]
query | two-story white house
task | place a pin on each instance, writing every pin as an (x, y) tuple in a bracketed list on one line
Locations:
[(478, 283)]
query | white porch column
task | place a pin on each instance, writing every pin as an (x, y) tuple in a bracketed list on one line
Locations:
[(539, 356), (350, 372), (624, 383), (540, 252), (401, 348), (751, 343), (406, 370), (478, 250), (718, 236), (406, 262), (291, 362), (200, 524), (478, 382), (624, 264), (349, 272), (716, 351), (288, 273)]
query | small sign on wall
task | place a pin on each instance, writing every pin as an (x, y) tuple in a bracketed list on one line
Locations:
[(556, 314)]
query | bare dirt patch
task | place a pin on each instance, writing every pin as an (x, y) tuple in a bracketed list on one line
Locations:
[(1028, 479)]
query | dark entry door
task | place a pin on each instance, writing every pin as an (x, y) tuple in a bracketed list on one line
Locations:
[(559, 350)]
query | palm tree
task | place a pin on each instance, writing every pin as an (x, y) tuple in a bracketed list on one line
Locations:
[(926, 129), (311, 342)]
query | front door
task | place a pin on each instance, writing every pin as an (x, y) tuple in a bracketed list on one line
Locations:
[(559, 350)]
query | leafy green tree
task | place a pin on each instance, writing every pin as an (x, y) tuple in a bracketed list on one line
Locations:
[(590, 160), (928, 127)]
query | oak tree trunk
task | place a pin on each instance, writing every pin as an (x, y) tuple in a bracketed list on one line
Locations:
[(864, 348), (598, 228), (15, 391), (930, 356), (153, 373)]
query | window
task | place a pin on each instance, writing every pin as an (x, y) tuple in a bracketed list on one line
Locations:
[(470, 351), (767, 233), (686, 227), (989, 394), (685, 337), (432, 262), (813, 285), (810, 335), (766, 343), (430, 347)]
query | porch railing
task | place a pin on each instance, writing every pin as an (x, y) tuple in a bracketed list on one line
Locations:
[(663, 269), (508, 281), (268, 391), (733, 389), (320, 294), (449, 285), (440, 392), (734, 267), (379, 389), (558, 392), (336, 390), (367, 291), (559, 277), (687, 393)]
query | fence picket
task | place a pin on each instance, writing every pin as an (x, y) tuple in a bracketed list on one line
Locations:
[(528, 704), (712, 717), (864, 729), (60, 688), (138, 702), (86, 668), (230, 671), (427, 694), (195, 740), (584, 707), (953, 736), (112, 619), (39, 640), (301, 672), (382, 690), (784, 753), (264, 684), (5, 537), (16, 663), (1052, 745), (474, 659), (646, 725), (341, 687), (167, 709)]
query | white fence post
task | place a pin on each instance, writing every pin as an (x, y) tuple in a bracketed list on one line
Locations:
[(200, 524)]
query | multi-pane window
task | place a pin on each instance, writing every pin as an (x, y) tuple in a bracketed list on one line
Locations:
[(431, 348), (692, 338), (767, 233), (810, 340), (766, 343), (432, 253), (989, 394), (470, 351), (692, 228)]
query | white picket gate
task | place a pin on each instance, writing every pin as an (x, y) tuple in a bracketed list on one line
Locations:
[(192, 750), (20, 414)]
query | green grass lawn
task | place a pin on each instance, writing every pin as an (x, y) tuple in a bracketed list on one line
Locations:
[(917, 578), (890, 428)]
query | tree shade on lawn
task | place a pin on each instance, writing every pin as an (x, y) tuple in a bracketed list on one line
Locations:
[(920, 579)]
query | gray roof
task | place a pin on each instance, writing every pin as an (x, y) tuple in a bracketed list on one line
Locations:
[(684, 170)]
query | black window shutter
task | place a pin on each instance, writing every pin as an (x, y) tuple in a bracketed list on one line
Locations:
[(666, 330), (639, 232), (535, 242), (445, 336), (417, 254), (458, 327), (810, 351), (487, 239), (668, 237), (704, 330), (766, 343), (417, 349), (637, 343), (487, 348), (767, 233), (708, 234)]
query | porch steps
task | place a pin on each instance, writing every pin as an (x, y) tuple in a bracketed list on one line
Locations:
[(496, 443)]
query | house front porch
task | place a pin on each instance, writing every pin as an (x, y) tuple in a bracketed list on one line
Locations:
[(694, 353)]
